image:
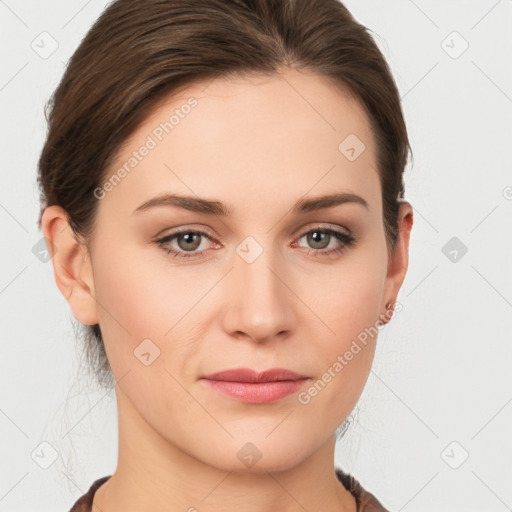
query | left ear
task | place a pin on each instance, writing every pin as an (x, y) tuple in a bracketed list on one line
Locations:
[(399, 258)]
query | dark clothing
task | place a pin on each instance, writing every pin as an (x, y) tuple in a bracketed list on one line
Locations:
[(366, 502)]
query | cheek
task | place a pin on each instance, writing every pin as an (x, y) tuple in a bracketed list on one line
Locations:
[(347, 299), (137, 310), (140, 298), (137, 297), (347, 303), (127, 307)]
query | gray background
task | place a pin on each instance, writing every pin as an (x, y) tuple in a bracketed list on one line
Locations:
[(439, 390)]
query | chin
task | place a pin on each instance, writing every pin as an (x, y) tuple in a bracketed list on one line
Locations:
[(258, 455)]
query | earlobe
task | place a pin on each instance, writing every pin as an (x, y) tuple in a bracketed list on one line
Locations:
[(71, 264)]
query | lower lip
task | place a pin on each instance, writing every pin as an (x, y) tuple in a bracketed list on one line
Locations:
[(257, 393)]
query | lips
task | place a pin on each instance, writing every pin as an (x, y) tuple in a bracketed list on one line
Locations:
[(249, 386), (252, 376)]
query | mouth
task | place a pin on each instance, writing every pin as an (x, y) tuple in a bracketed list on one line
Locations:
[(246, 385)]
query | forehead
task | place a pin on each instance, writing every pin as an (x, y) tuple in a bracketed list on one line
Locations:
[(241, 139)]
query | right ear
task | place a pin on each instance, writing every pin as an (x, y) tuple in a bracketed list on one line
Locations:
[(71, 264)]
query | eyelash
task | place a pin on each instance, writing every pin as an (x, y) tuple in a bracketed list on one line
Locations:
[(346, 239)]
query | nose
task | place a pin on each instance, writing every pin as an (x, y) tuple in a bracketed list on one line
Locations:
[(259, 302)]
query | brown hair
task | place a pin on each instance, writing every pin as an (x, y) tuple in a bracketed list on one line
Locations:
[(140, 51)]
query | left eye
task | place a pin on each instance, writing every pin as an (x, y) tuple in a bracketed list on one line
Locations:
[(189, 241), (318, 236)]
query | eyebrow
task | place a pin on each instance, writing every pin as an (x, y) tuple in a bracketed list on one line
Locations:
[(213, 207)]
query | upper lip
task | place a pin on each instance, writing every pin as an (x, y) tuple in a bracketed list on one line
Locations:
[(248, 375)]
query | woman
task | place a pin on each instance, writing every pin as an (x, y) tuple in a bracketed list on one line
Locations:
[(267, 135)]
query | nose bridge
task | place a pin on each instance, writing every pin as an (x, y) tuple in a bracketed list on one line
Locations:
[(258, 274)]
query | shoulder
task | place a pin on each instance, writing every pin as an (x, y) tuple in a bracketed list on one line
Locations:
[(366, 501), (84, 503)]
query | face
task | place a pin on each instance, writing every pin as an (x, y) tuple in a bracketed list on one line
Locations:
[(183, 290)]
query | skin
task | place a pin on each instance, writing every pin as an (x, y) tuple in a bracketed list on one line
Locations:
[(258, 146)]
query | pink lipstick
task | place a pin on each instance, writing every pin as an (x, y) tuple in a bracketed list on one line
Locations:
[(246, 385)]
